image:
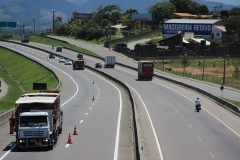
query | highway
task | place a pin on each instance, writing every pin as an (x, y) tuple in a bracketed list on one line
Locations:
[(103, 123), (170, 127)]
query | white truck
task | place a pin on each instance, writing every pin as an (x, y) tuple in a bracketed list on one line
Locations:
[(25, 38), (109, 61), (38, 120)]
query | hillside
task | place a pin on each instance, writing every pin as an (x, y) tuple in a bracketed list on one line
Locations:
[(142, 5), (24, 11)]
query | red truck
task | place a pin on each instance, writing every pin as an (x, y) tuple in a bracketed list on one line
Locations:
[(145, 70), (79, 64)]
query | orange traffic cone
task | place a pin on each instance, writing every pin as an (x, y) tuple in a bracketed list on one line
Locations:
[(69, 139), (93, 98), (93, 82), (75, 132)]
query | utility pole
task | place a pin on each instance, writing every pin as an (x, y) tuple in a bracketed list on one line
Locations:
[(224, 68), (34, 21), (53, 20)]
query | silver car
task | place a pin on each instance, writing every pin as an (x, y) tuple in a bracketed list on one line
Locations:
[(68, 62), (61, 60)]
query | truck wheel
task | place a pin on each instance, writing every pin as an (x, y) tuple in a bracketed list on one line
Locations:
[(50, 147), (60, 130)]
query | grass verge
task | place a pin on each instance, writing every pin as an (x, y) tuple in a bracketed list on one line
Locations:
[(19, 73), (48, 41)]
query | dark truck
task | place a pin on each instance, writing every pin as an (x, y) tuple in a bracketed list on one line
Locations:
[(38, 119), (145, 70)]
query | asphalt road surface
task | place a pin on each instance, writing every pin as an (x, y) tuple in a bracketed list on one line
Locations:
[(169, 126), (104, 125)]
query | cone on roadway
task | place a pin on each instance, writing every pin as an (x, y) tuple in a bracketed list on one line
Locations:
[(93, 98), (75, 132), (69, 139)]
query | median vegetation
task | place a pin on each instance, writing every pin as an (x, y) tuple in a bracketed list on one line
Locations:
[(19, 73), (49, 41)]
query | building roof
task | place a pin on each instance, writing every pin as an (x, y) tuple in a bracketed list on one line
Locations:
[(196, 21), (222, 28), (203, 16), (183, 14), (22, 100)]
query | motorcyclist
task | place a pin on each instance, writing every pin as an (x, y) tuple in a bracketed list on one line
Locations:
[(197, 102)]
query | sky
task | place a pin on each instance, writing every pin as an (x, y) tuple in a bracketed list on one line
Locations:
[(231, 2)]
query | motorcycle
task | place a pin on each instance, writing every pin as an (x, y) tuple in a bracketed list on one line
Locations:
[(198, 107)]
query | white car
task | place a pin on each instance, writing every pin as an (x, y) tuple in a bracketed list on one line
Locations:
[(68, 62), (61, 60)]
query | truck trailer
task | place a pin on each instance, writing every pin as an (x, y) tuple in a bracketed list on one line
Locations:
[(145, 70), (109, 61), (79, 64), (38, 119), (25, 38)]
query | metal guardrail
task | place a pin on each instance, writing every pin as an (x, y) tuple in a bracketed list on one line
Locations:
[(234, 109), (134, 125)]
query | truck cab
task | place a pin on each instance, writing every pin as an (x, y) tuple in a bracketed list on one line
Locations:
[(34, 129), (79, 64)]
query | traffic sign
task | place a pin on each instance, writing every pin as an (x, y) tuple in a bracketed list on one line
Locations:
[(12, 24), (221, 88), (8, 24), (3, 24)]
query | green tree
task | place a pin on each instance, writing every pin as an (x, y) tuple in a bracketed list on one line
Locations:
[(185, 62), (217, 10), (160, 10), (186, 6), (203, 9), (58, 21), (234, 11), (233, 26)]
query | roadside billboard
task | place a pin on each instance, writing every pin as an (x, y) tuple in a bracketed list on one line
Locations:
[(141, 17), (84, 16), (198, 29)]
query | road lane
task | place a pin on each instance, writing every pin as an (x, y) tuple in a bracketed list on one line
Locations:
[(181, 132), (100, 128)]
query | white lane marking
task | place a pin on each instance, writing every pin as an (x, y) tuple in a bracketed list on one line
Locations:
[(86, 114), (199, 138), (190, 125), (211, 154), (53, 67), (182, 116), (81, 121), (93, 104), (203, 109), (119, 117), (90, 108), (66, 145), (153, 129), (1, 158)]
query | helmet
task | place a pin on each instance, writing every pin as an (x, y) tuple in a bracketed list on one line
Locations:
[(197, 98)]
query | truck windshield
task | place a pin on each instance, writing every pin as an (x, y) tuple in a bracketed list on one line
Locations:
[(30, 121), (79, 62)]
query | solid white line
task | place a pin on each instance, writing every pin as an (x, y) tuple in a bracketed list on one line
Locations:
[(1, 158), (90, 108), (53, 67), (66, 145), (119, 118), (203, 109), (81, 121), (154, 132), (212, 155), (86, 114), (199, 138)]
